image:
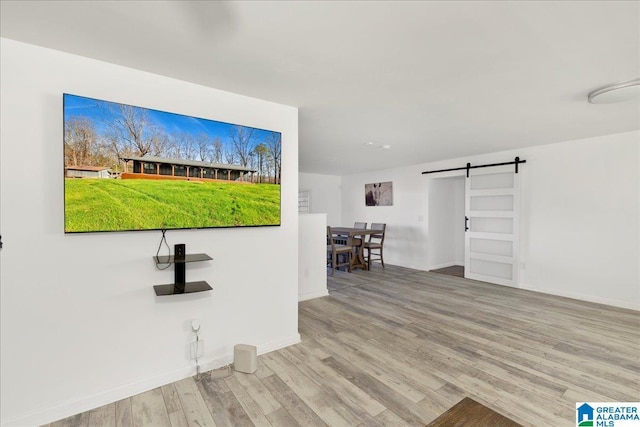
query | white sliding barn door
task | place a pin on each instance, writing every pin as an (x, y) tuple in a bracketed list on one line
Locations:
[(492, 210)]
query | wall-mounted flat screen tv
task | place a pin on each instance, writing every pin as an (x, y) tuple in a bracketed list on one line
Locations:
[(131, 168)]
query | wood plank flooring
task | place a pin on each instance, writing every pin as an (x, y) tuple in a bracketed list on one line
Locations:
[(454, 270), (468, 412), (398, 347)]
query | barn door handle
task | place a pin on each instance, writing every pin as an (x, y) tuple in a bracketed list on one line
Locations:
[(466, 223)]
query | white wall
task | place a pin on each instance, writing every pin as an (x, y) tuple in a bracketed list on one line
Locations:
[(583, 219), (579, 225), (312, 252), (407, 220), (326, 195), (80, 323)]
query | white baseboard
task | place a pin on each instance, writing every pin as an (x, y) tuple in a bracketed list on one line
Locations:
[(276, 345), (72, 407), (312, 295), (582, 297)]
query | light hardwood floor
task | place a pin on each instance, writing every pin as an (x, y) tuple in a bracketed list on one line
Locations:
[(398, 347)]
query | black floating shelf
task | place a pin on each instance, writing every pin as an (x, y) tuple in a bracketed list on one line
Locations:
[(181, 288), (170, 259), (180, 285)]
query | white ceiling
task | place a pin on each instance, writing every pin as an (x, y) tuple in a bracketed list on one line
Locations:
[(434, 80)]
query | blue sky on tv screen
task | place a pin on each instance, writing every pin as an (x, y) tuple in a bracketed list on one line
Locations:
[(102, 112)]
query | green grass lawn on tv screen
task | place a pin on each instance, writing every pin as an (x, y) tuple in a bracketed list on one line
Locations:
[(139, 204)]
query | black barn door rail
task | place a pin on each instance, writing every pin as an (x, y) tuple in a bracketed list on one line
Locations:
[(516, 162)]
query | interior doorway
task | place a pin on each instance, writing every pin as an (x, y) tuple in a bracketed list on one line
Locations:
[(446, 238), (474, 223)]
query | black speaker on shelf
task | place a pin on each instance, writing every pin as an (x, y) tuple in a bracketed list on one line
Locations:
[(180, 268)]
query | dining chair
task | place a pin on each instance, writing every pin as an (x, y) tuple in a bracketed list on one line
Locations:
[(362, 225), (335, 250), (375, 244)]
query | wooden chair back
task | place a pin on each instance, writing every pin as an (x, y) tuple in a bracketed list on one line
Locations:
[(378, 237), (339, 245)]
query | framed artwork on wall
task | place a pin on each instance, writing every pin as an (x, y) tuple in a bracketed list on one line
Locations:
[(378, 194)]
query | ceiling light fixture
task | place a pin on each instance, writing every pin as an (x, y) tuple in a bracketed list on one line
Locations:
[(617, 92)]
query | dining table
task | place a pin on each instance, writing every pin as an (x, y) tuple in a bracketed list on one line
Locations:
[(355, 233)]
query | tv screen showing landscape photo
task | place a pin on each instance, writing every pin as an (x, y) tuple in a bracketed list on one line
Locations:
[(131, 168)]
